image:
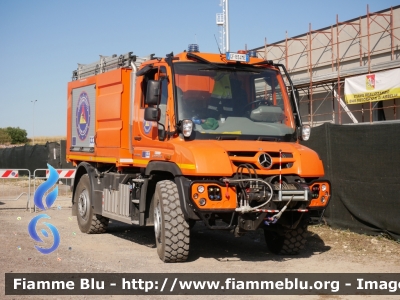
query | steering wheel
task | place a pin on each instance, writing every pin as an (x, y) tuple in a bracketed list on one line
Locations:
[(267, 102)]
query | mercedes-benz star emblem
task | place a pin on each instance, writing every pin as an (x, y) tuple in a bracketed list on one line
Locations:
[(265, 160)]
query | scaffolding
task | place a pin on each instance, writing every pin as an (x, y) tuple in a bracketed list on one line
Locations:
[(319, 61)]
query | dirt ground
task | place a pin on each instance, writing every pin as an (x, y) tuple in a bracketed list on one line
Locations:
[(131, 249)]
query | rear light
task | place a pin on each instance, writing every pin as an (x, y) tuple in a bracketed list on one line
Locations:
[(315, 191), (214, 193)]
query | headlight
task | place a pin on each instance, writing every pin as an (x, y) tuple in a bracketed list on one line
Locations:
[(187, 127), (323, 187), (305, 132)]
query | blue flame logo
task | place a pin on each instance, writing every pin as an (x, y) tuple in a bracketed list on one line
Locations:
[(50, 199), (35, 236), (44, 187)]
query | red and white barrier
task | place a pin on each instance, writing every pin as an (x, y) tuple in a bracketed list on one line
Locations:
[(13, 194), (8, 173), (64, 173)]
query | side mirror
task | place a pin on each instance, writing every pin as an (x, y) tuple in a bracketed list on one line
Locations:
[(153, 95), (152, 114)]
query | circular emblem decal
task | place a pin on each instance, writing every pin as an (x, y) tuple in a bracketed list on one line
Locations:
[(83, 116)]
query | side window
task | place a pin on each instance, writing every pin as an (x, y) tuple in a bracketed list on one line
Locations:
[(267, 88), (162, 76), (278, 96), (164, 85)]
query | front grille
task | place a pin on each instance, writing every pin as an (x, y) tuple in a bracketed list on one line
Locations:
[(270, 161), (274, 166), (242, 153), (238, 163)]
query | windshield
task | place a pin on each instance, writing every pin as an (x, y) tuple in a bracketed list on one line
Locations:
[(233, 100)]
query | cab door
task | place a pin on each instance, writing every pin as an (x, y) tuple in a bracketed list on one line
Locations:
[(146, 134)]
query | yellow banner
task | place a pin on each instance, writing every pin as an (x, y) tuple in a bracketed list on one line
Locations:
[(372, 87)]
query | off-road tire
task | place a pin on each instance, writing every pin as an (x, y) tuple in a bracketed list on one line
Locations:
[(88, 221), (289, 242), (171, 230)]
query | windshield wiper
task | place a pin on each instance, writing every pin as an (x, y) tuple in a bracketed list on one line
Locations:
[(225, 137), (286, 138), (200, 59), (219, 67), (231, 69), (264, 62), (268, 139)]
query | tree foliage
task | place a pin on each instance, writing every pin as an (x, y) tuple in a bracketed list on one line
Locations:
[(4, 136), (15, 135)]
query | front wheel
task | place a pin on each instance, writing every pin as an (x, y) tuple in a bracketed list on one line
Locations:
[(170, 227), (88, 221), (290, 242)]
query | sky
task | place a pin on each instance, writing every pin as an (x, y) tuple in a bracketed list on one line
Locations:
[(42, 41)]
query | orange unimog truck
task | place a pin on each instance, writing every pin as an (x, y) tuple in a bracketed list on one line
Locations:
[(169, 141)]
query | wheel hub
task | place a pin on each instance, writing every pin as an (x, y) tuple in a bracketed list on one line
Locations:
[(83, 204), (157, 222)]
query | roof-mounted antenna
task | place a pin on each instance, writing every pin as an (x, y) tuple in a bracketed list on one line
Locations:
[(217, 44)]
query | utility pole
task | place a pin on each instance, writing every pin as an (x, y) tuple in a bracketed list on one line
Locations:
[(223, 21), (33, 122), (227, 25)]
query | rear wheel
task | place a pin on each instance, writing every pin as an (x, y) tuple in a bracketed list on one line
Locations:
[(289, 242), (170, 227), (88, 221)]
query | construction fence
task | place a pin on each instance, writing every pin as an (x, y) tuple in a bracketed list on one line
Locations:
[(361, 161), (16, 184), (35, 157), (363, 164), (24, 168)]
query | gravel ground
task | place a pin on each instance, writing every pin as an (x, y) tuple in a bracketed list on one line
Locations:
[(131, 249)]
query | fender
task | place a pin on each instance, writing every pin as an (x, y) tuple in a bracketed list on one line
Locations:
[(96, 190), (181, 182), (163, 166)]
